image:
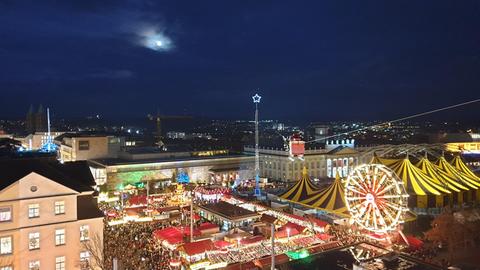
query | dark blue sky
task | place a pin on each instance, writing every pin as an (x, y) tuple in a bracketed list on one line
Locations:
[(315, 60)]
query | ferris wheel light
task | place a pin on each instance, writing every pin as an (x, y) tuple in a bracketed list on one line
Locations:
[(374, 197)]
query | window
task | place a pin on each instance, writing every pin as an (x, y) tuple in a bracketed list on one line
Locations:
[(60, 237), (34, 265), (84, 232), (59, 207), (83, 145), (84, 259), (33, 210), (5, 213), (6, 267), (6, 243), (34, 240), (60, 263)]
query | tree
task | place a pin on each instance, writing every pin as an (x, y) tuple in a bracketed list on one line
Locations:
[(446, 230), (97, 258)]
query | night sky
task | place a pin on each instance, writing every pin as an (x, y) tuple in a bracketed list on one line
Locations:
[(315, 60)]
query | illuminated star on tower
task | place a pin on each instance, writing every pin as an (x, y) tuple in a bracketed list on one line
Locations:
[(256, 98)]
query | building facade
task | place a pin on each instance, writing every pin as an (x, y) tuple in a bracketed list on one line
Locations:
[(36, 140), (337, 156), (75, 147), (48, 216), (163, 167)]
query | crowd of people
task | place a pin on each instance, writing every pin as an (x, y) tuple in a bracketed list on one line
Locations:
[(134, 247)]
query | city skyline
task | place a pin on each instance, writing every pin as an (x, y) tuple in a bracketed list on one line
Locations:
[(318, 61)]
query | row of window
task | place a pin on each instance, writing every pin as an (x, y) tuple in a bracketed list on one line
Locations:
[(59, 262), (6, 242), (296, 166), (33, 211)]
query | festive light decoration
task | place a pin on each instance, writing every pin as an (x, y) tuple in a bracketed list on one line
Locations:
[(256, 98), (183, 178), (375, 198)]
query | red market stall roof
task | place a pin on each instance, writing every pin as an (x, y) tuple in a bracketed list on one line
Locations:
[(220, 244), (242, 266), (323, 236), (267, 261), (195, 248), (174, 240), (414, 242), (252, 240), (318, 222), (172, 234), (207, 226), (285, 233), (185, 230), (163, 234), (138, 200), (291, 225)]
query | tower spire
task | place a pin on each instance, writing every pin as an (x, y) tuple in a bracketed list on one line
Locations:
[(256, 101)]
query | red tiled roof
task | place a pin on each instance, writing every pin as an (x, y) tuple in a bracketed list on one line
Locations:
[(194, 248)]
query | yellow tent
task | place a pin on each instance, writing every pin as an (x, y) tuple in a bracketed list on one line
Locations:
[(461, 166), (301, 190), (415, 180), (458, 163), (331, 199), (440, 176), (464, 178)]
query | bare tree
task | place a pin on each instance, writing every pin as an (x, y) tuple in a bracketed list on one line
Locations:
[(95, 248)]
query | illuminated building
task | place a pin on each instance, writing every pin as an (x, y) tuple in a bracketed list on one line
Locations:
[(229, 215), (86, 146), (47, 215), (341, 156), (152, 165)]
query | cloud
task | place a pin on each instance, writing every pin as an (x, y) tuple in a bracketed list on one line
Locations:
[(155, 38)]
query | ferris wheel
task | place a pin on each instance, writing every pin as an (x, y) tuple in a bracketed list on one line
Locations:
[(376, 198)]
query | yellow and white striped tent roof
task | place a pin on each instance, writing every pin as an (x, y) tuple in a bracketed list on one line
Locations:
[(442, 177), (331, 199), (415, 180), (452, 171), (458, 163), (301, 190)]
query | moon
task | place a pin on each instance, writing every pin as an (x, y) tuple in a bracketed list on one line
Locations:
[(155, 40)]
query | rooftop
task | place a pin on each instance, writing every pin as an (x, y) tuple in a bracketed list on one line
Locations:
[(228, 211), (74, 175), (124, 161)]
